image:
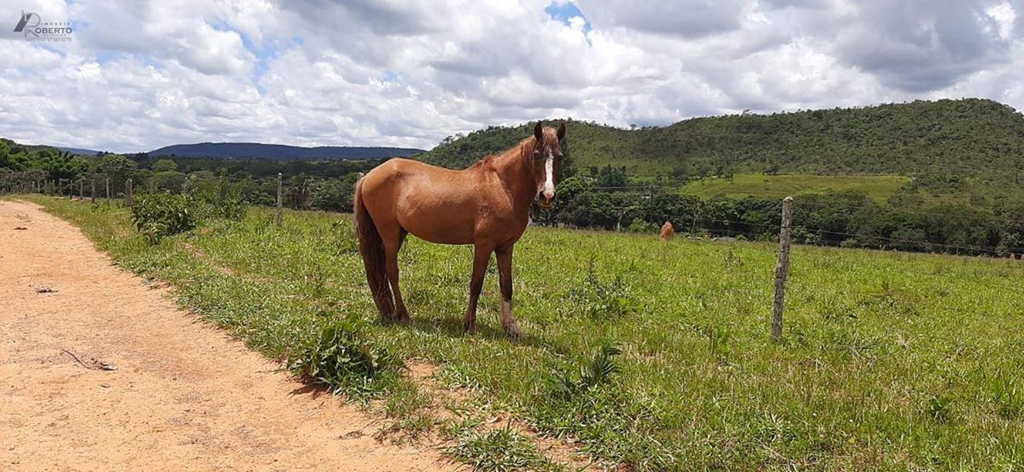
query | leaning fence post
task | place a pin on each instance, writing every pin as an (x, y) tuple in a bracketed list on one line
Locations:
[(128, 192), (782, 270), (280, 199)]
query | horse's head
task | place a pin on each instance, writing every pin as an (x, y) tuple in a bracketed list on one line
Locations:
[(547, 162)]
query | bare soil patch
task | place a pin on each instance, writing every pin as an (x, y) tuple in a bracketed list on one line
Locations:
[(99, 371)]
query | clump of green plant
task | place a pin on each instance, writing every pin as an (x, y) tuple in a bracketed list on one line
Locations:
[(592, 375), (594, 408), (718, 338), (601, 299), (341, 358), (500, 450), (162, 214)]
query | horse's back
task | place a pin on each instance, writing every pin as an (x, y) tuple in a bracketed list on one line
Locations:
[(431, 202)]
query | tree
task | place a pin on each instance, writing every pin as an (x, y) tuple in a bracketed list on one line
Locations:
[(5, 153), (165, 165), (117, 168), (332, 194)]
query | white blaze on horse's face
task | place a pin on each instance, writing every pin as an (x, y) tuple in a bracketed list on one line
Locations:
[(549, 178), (546, 178), (548, 151)]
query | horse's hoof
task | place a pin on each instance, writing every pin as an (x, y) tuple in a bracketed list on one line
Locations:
[(404, 320), (513, 331)]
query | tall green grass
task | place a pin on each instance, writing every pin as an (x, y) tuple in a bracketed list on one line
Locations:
[(889, 361)]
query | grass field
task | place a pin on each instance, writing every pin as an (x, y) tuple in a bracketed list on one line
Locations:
[(879, 187), (889, 361)]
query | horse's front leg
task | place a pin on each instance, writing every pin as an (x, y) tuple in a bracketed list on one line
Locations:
[(480, 258), (508, 322)]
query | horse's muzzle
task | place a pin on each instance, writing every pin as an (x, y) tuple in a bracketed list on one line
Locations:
[(544, 200)]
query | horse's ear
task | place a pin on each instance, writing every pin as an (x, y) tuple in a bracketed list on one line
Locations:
[(538, 132), (561, 132)]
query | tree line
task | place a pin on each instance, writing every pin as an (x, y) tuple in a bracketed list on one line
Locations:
[(322, 185), (846, 219)]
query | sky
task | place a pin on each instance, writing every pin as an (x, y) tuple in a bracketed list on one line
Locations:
[(138, 75)]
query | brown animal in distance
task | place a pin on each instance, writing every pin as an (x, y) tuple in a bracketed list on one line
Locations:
[(486, 205), (667, 232)]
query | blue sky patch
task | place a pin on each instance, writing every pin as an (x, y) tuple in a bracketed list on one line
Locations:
[(564, 11)]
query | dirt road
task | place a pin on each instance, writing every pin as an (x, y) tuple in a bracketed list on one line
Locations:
[(183, 395)]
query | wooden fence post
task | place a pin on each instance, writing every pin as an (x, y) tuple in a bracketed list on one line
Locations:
[(81, 188), (108, 190), (280, 199), (782, 270), (128, 192), (92, 185)]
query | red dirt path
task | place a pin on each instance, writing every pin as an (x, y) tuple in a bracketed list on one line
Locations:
[(183, 395)]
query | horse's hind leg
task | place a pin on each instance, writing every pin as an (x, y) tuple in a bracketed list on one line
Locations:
[(391, 248)]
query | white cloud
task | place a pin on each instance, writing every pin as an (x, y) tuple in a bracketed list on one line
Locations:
[(140, 75), (1004, 16)]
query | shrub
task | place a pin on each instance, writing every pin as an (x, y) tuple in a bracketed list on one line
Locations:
[(163, 214), (221, 201), (640, 226), (339, 357)]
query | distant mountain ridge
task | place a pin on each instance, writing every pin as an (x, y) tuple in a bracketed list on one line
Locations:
[(280, 151), (79, 151)]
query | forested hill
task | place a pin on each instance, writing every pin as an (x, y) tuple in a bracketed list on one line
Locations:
[(279, 152), (964, 138)]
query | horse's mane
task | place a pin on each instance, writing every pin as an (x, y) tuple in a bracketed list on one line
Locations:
[(526, 142), (483, 160)]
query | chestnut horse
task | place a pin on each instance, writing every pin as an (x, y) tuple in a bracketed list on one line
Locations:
[(667, 231), (486, 205)]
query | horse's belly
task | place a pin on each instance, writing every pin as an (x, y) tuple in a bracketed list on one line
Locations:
[(438, 227), (442, 237)]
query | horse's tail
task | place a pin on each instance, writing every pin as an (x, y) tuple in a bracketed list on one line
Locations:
[(371, 247)]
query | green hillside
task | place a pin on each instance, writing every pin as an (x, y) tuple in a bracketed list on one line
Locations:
[(969, 141)]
